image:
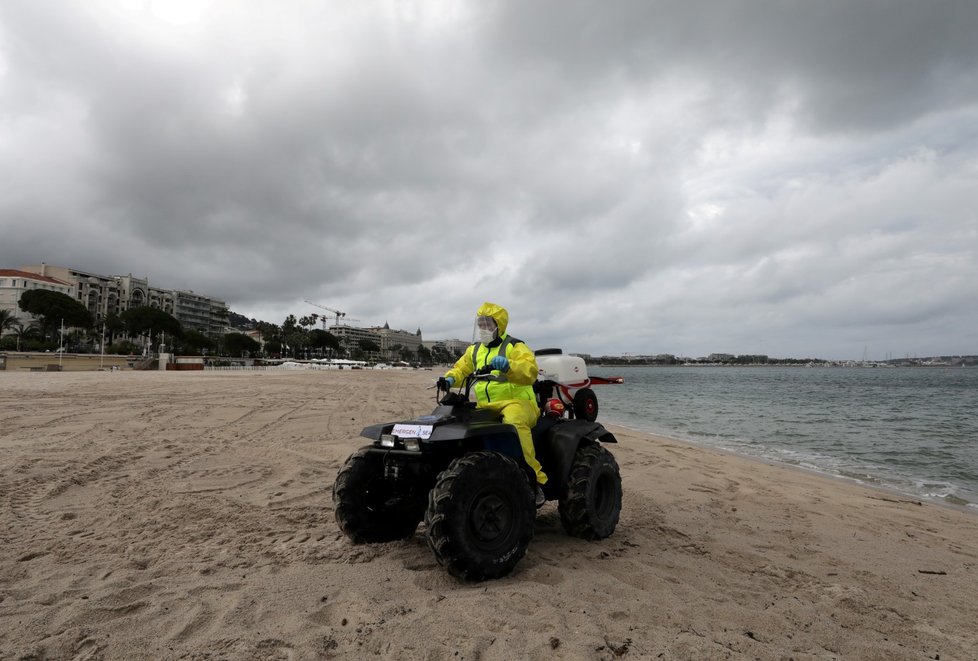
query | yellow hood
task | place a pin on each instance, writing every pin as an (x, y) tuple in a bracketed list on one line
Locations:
[(497, 312)]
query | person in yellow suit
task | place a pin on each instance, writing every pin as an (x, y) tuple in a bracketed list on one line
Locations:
[(512, 397)]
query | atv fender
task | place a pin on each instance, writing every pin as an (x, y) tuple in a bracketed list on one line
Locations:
[(374, 432), (557, 448)]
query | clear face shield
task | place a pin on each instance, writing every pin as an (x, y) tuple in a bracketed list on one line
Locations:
[(485, 330)]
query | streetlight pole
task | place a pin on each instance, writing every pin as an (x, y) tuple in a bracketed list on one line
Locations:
[(61, 344), (101, 360)]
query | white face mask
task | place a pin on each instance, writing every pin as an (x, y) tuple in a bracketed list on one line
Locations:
[(484, 332)]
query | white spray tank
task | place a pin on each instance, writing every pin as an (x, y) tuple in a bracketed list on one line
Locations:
[(572, 383), (568, 371)]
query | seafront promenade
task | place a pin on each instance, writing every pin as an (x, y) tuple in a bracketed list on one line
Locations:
[(14, 361)]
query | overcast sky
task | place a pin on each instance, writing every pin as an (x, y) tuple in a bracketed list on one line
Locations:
[(791, 178)]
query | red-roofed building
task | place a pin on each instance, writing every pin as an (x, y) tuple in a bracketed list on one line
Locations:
[(13, 284)]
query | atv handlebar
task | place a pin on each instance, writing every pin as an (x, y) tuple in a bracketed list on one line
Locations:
[(481, 374), (484, 372)]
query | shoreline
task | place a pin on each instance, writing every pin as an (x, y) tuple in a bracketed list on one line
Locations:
[(964, 506), (825, 365), (173, 515)]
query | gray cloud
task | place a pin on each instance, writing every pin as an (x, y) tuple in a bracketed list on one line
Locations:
[(784, 178)]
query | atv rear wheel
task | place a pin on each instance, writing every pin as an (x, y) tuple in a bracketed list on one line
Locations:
[(585, 405), (591, 508), (480, 516), (366, 506)]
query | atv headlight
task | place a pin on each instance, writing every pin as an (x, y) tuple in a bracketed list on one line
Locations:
[(412, 444), (387, 440)]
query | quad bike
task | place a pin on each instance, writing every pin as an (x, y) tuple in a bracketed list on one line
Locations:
[(461, 470)]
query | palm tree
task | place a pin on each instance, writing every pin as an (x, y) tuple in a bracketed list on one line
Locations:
[(8, 321), (25, 333)]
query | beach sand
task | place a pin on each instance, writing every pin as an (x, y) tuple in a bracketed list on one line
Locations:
[(189, 516)]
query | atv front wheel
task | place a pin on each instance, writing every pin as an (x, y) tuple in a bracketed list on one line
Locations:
[(366, 507), (591, 508), (480, 516)]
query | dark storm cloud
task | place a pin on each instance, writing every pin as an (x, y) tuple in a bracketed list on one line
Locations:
[(849, 66)]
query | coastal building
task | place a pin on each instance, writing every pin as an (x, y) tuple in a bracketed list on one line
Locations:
[(454, 348), (101, 294), (350, 337), (106, 295), (390, 342), (398, 340), (201, 313), (13, 284)]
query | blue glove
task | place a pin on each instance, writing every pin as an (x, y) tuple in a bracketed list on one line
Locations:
[(500, 363), (446, 383)]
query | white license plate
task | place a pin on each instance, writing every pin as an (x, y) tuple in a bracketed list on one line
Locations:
[(412, 431)]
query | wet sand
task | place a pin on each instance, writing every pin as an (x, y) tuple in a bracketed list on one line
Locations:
[(148, 515)]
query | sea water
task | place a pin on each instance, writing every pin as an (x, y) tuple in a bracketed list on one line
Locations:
[(913, 430)]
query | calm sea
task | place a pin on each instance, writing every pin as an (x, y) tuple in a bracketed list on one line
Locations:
[(914, 430)]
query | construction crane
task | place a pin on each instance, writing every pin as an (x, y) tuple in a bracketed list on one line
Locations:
[(339, 315)]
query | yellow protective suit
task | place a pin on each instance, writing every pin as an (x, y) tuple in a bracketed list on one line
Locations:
[(512, 398)]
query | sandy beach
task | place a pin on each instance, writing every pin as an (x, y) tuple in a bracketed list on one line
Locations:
[(150, 515)]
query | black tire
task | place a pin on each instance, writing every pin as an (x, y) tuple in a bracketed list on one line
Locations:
[(591, 508), (365, 505), (480, 516), (586, 405)]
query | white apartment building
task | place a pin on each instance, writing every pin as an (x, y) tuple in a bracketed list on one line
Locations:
[(13, 284), (198, 312), (104, 295)]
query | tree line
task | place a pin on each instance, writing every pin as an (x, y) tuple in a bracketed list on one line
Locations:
[(145, 326), (126, 333), (299, 338)]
